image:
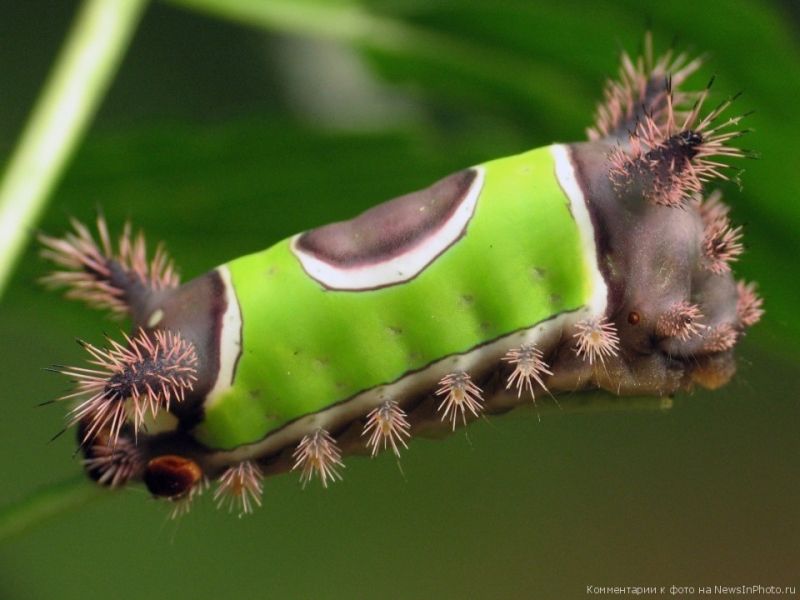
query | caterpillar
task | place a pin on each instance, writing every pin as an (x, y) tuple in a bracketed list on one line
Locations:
[(597, 265)]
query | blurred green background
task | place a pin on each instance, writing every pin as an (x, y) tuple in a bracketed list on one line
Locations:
[(222, 138)]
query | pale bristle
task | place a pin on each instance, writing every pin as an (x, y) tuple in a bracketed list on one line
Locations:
[(642, 88), (720, 338), (240, 487), (113, 465), (97, 275), (749, 305), (529, 367), (597, 339), (665, 185), (713, 209), (670, 162), (182, 506), (722, 245), (681, 321), (387, 425), (151, 371), (318, 455), (461, 395)]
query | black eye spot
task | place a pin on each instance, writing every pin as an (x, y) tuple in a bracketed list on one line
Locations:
[(634, 318)]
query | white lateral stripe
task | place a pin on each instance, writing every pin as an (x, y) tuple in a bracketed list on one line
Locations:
[(565, 173), (476, 362), (230, 340), (400, 268)]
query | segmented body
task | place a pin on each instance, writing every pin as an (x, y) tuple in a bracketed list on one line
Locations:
[(506, 256), (595, 265)]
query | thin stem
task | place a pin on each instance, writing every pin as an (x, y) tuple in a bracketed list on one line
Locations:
[(77, 83), (45, 503)]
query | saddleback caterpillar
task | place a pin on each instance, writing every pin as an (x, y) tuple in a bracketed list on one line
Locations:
[(601, 264)]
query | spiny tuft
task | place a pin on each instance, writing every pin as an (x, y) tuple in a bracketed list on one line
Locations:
[(461, 395), (642, 88), (101, 277), (182, 505), (668, 163), (713, 209), (387, 424), (240, 487), (113, 465), (151, 370), (681, 320), (529, 367), (749, 305), (318, 455), (597, 339), (722, 245), (720, 338)]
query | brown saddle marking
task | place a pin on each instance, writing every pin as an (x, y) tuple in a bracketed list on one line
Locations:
[(389, 229)]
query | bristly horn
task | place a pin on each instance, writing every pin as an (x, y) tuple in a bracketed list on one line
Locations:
[(669, 162), (151, 371), (122, 281)]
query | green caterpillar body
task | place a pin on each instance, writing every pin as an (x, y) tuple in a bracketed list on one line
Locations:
[(485, 270), (595, 265)]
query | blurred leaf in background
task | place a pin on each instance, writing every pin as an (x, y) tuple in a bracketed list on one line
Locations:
[(231, 125)]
